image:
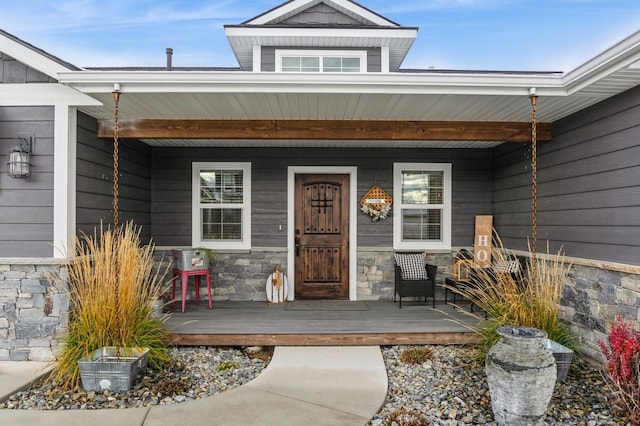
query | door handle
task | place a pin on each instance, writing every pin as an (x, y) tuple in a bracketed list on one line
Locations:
[(297, 243)]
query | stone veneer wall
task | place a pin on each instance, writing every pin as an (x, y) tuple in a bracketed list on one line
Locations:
[(240, 276), (593, 296), (31, 311), (375, 273)]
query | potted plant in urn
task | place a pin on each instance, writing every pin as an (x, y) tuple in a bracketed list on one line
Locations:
[(112, 333), (522, 338), (509, 295)]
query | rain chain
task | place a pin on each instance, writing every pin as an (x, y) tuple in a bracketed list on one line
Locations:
[(534, 189), (116, 99)]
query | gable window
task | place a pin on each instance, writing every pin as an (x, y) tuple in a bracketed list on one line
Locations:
[(342, 61), (422, 206), (221, 198)]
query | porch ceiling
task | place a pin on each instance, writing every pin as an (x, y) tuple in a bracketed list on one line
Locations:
[(425, 107), (410, 97)]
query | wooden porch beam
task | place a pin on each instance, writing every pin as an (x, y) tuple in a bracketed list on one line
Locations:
[(325, 129)]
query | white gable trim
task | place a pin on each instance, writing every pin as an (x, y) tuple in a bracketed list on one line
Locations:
[(292, 171), (300, 5), (31, 57), (38, 94)]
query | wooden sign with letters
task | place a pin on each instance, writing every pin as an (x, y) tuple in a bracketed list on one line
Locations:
[(482, 241)]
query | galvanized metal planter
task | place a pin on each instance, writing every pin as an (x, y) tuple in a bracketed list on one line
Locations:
[(190, 260), (563, 356), (521, 374), (111, 369)]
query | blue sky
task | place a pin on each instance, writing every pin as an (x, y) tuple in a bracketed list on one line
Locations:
[(454, 34)]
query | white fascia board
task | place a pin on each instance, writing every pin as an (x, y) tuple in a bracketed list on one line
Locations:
[(284, 9), (323, 33), (365, 13), (294, 5), (622, 55), (249, 82), (31, 58), (33, 94)]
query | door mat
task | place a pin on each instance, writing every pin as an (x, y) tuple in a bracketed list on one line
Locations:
[(326, 305)]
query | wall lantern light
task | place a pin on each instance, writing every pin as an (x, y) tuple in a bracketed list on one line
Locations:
[(18, 164)]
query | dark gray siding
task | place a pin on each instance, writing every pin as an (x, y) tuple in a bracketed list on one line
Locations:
[(322, 14), (95, 180), (374, 60), (26, 205), (171, 206), (374, 57), (588, 185), (268, 59), (12, 71)]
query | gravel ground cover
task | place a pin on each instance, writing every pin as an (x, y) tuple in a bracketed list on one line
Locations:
[(196, 372), (452, 390), (448, 389)]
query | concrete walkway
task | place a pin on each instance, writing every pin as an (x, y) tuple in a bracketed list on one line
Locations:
[(303, 385)]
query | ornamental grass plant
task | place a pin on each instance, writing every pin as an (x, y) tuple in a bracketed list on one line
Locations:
[(112, 286), (514, 296)]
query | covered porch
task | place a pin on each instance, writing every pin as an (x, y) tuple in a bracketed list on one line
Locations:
[(322, 322)]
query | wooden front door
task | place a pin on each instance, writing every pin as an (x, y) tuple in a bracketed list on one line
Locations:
[(321, 236)]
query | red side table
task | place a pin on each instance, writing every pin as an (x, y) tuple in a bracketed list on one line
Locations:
[(185, 280)]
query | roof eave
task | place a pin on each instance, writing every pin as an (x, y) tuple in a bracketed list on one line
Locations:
[(32, 56), (199, 81)]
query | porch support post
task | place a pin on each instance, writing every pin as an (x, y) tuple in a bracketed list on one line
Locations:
[(384, 59), (257, 59), (64, 178)]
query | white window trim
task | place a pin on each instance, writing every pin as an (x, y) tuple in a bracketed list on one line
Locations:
[(319, 53), (196, 219), (445, 243)]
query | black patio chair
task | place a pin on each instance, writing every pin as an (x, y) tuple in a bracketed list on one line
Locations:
[(408, 286)]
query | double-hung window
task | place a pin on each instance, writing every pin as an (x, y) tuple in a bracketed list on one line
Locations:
[(422, 206), (344, 61), (221, 194)]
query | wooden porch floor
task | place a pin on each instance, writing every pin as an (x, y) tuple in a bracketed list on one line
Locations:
[(320, 323)]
